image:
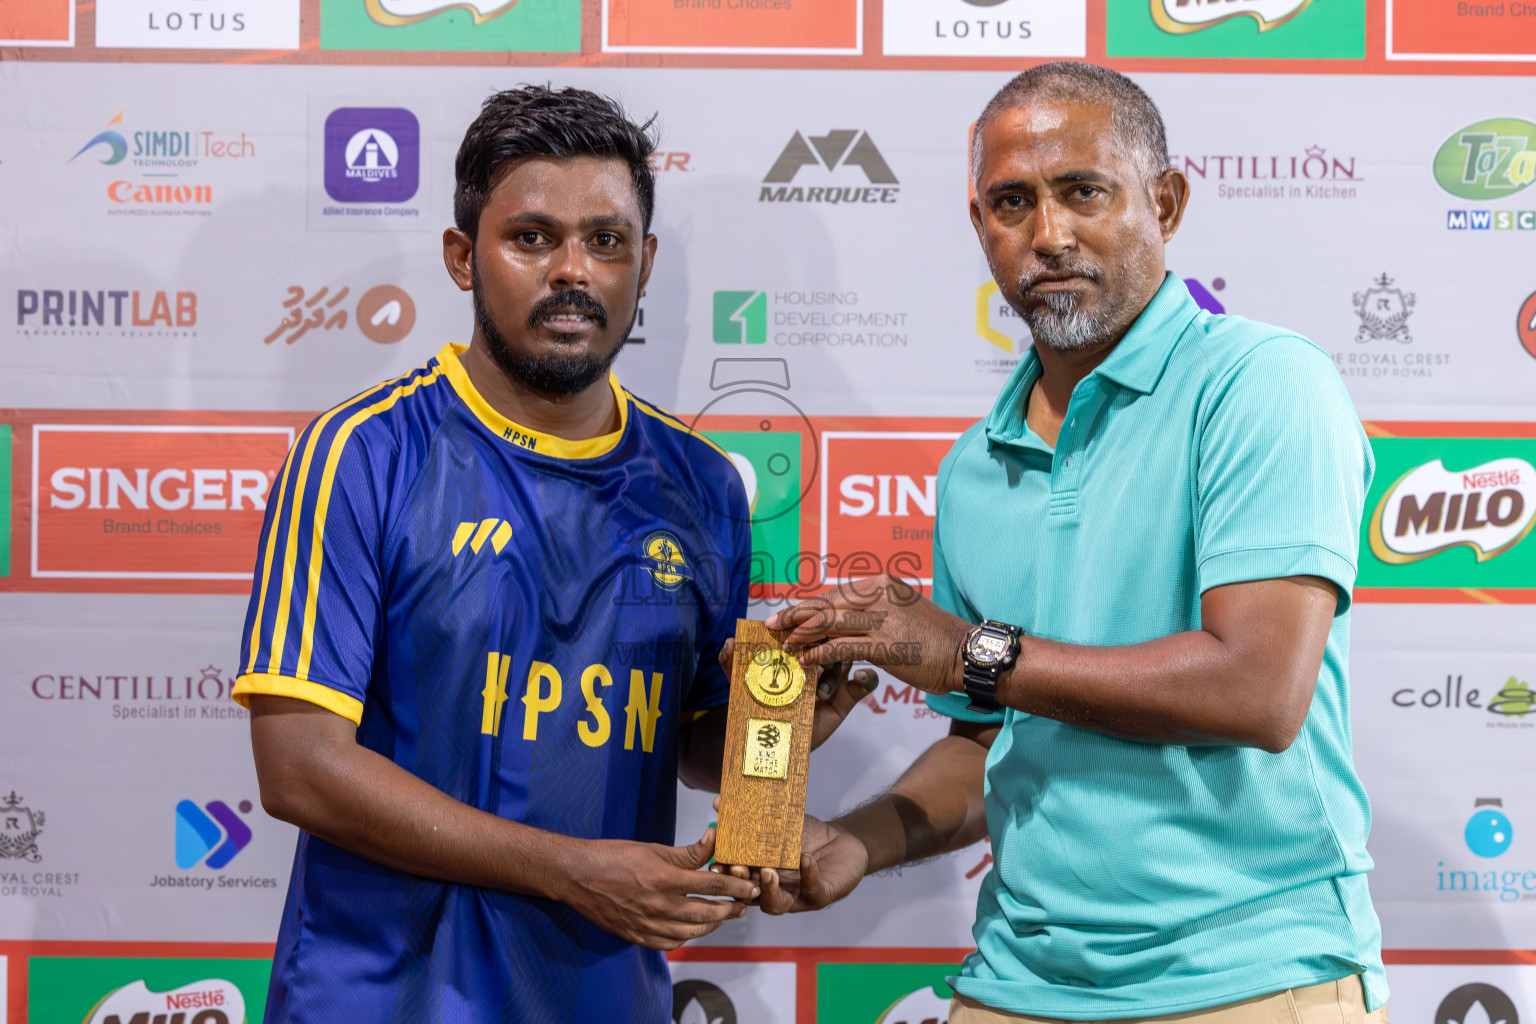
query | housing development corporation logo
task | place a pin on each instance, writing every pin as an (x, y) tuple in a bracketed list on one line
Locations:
[(1477, 1003), (805, 319), (210, 835), (741, 318), (1487, 508), (20, 827), (1182, 16), (210, 1001), (832, 152), (372, 154)]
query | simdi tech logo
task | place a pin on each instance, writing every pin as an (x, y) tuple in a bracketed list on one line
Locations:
[(161, 170), (101, 990), (520, 26), (1450, 512), (1236, 28), (832, 153), (1485, 162)]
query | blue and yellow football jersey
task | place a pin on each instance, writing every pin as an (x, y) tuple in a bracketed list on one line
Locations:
[(522, 621)]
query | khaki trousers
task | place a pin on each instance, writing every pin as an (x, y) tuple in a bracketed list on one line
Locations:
[(1333, 1002)]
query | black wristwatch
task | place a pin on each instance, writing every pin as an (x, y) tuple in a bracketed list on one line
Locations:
[(989, 650)]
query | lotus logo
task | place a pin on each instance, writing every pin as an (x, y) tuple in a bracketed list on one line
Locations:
[(1487, 508), (1488, 160), (1182, 16)]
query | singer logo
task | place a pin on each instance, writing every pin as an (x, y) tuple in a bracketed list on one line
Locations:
[(879, 493), (151, 502), (1488, 508)]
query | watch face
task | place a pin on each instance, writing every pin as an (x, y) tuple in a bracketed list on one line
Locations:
[(987, 648)]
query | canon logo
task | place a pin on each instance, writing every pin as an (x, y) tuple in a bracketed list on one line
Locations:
[(110, 487), (864, 494)]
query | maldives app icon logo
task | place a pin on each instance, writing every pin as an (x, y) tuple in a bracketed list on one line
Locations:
[(372, 154)]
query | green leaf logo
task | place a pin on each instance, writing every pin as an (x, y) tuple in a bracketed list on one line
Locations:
[(1515, 700)]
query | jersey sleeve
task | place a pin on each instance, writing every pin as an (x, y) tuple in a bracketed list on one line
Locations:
[(316, 601), (711, 686), (948, 597), (1283, 469)]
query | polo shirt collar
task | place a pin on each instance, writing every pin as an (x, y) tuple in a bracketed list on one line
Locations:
[(1136, 363)]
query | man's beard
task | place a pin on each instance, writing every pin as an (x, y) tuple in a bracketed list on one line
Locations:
[(557, 374), (1058, 323)]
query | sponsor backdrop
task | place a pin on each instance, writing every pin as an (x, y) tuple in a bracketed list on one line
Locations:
[(223, 217)]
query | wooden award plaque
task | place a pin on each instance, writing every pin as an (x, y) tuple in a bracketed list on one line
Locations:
[(767, 751)]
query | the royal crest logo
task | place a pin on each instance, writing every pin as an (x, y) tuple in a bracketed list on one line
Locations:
[(212, 1001), (19, 828), (1182, 16), (1430, 509), (1488, 160), (1384, 312), (664, 559)]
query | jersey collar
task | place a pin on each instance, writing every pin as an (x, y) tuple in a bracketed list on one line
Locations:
[(520, 436)]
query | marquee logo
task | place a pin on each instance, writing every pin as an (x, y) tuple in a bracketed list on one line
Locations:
[(1488, 160), (407, 12), (1430, 509), (216, 835), (1183, 16), (845, 147), (372, 154), (211, 1001), (151, 502)]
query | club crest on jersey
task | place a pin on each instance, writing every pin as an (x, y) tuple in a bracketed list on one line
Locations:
[(663, 558)]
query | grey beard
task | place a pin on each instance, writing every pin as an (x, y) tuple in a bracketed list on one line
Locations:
[(1059, 325)]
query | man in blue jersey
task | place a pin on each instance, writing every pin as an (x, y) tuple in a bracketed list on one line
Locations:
[(1140, 620), (482, 643)]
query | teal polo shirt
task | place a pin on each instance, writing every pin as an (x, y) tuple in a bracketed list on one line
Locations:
[(1141, 879)]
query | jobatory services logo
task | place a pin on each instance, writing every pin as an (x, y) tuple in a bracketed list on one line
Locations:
[(805, 318), (384, 314), (163, 170), (985, 28), (372, 154), (206, 25), (20, 827), (96, 312), (1451, 512), (1236, 28), (210, 835), (151, 502), (1311, 173), (490, 25), (833, 153), (695, 1001), (1525, 325)]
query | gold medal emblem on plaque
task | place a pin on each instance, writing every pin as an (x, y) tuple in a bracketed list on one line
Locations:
[(775, 678), (767, 753)]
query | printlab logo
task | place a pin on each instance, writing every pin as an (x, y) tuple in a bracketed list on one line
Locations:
[(372, 154), (741, 318), (845, 147), (1184, 16), (1488, 508), (1477, 1003), (86, 311), (20, 826), (210, 1001), (219, 830), (695, 1001), (384, 314), (1383, 311), (1525, 325)]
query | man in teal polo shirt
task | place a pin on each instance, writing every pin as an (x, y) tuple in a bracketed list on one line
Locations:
[(1160, 518)]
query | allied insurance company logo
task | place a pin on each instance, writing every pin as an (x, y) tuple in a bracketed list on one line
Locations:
[(1488, 508), (1184, 16), (210, 1001), (150, 502), (1485, 162), (372, 154), (159, 157), (1488, 835), (832, 153), (210, 835)]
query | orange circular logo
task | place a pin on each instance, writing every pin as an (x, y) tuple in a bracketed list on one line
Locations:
[(385, 314)]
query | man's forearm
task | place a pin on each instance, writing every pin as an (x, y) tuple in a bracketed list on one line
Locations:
[(701, 751), (935, 807)]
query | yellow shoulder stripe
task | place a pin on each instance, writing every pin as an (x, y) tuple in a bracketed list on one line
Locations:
[(299, 689), (323, 504), (266, 562), (675, 424)]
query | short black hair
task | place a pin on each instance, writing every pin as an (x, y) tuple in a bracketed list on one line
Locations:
[(536, 120), (1138, 126)]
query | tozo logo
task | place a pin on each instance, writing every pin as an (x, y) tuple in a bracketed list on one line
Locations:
[(372, 154), (1488, 160), (699, 1002), (1461, 1006), (741, 317), (198, 833)]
